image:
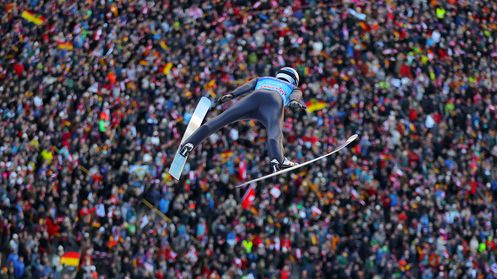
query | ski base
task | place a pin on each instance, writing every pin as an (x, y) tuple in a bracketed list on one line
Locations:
[(179, 161)]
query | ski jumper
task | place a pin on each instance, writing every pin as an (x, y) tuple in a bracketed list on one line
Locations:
[(265, 100)]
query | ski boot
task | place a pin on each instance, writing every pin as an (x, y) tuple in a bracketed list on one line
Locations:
[(277, 166), (186, 149)]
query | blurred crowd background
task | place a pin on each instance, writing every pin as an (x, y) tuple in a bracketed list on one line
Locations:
[(95, 96)]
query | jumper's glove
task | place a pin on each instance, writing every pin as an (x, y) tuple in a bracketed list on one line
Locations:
[(224, 99), (296, 106)]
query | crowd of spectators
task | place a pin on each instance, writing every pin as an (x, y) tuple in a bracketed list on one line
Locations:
[(95, 96)]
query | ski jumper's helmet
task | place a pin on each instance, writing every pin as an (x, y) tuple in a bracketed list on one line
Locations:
[(288, 74)]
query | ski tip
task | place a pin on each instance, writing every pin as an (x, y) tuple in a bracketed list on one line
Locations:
[(240, 185), (352, 138), (174, 176), (206, 101)]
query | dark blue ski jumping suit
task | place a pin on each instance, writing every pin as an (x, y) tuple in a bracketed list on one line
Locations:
[(265, 100)]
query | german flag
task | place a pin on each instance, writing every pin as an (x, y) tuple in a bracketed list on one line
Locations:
[(315, 105), (163, 45), (33, 18), (314, 239), (167, 69), (226, 155), (210, 84), (70, 258), (65, 45)]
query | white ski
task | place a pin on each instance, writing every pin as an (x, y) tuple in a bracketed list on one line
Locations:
[(198, 116), (340, 147)]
